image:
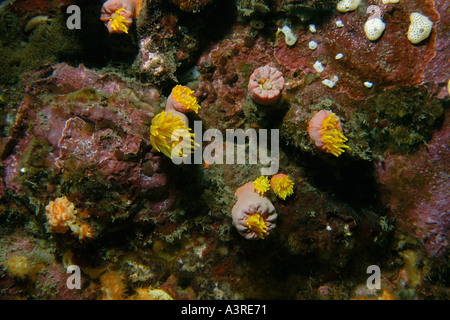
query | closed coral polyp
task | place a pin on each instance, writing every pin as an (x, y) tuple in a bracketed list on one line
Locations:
[(265, 85), (151, 294)]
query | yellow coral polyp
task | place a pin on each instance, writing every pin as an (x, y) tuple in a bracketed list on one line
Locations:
[(19, 265), (112, 285), (282, 185), (119, 22), (261, 185), (332, 136), (169, 132), (185, 97), (151, 294), (257, 225)]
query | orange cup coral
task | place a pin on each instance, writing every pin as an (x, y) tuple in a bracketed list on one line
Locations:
[(282, 185), (265, 85), (169, 131), (262, 185), (182, 99), (117, 15), (325, 131), (254, 216)]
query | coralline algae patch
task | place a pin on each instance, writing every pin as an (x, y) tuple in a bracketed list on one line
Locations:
[(389, 61), (225, 73), (416, 190), (436, 75)]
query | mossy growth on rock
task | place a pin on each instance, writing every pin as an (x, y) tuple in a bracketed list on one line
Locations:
[(52, 42), (405, 118)]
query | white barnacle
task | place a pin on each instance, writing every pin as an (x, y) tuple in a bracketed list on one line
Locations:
[(368, 84), (318, 66), (312, 45), (339, 23), (330, 83)]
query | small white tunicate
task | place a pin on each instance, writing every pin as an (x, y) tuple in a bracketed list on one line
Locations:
[(420, 27), (289, 37), (374, 28), (23, 170), (312, 45), (329, 228), (330, 83), (339, 23), (318, 66), (368, 84), (339, 56), (347, 5), (312, 28)]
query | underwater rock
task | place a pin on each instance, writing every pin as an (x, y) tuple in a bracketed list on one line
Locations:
[(191, 5), (225, 71), (415, 188), (29, 269), (87, 125), (80, 136), (305, 9), (61, 79), (152, 65), (391, 61), (30, 8), (436, 76), (403, 119)]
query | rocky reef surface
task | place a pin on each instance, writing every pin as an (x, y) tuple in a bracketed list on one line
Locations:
[(82, 185)]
